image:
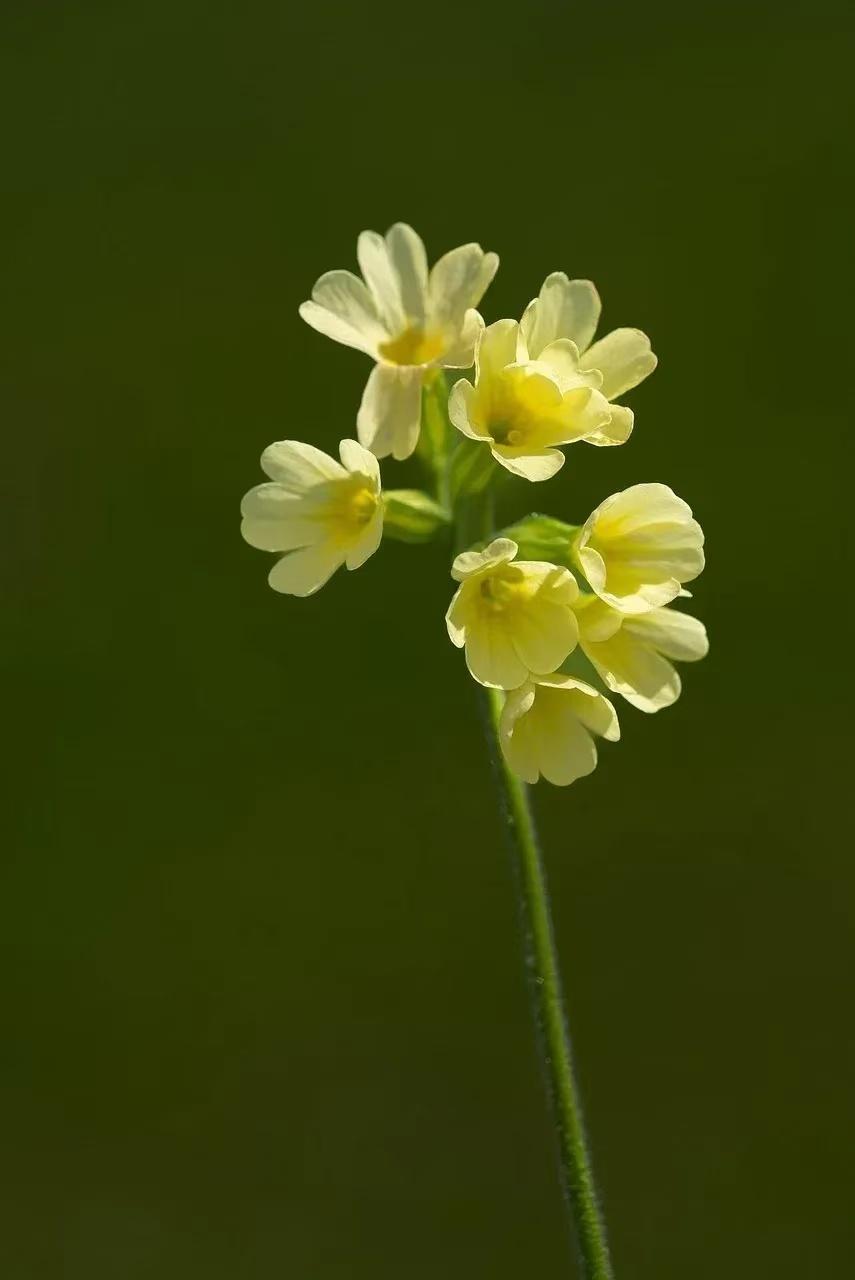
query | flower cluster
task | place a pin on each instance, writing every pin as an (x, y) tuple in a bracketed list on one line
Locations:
[(541, 595)]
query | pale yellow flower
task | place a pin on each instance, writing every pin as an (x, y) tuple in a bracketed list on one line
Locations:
[(514, 619), (324, 514), (523, 408), (569, 310), (546, 729), (639, 547), (630, 652), (411, 321)]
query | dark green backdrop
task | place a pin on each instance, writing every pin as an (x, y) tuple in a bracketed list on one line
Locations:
[(263, 1013)]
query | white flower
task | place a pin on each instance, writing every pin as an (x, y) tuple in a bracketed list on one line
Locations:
[(546, 729), (322, 513), (523, 408), (515, 619), (569, 310), (630, 652), (639, 547), (409, 320)]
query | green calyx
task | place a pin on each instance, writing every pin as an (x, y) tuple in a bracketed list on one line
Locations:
[(541, 537), (471, 470), (412, 516)]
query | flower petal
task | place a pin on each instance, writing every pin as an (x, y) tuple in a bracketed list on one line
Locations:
[(298, 467), (491, 657), (677, 635), (343, 309), (456, 618), (561, 358), (623, 357), (382, 279), (463, 410), (563, 309), (365, 546), (586, 413), (593, 566), (275, 520), (639, 506), (567, 750), (390, 413), (544, 635), (303, 572), (564, 749), (518, 702), (470, 563), (460, 354), (636, 671), (519, 747), (617, 430), (541, 465), (553, 582), (637, 586), (632, 598), (409, 261), (357, 460), (561, 680), (588, 705), (496, 349), (597, 620), (595, 712), (457, 283)]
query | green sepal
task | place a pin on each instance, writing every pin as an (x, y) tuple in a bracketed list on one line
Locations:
[(541, 537), (472, 467), (412, 516), (435, 434)]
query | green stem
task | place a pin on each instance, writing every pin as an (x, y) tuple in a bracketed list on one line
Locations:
[(474, 520), (547, 1000)]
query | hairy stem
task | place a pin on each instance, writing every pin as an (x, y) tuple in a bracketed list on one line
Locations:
[(547, 1001), (474, 520)]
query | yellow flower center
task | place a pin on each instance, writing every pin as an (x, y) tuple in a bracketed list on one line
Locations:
[(350, 507), (520, 408), (510, 418), (504, 432), (362, 506), (413, 346), (504, 589)]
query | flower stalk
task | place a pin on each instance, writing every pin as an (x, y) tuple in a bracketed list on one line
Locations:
[(547, 1004), (543, 977)]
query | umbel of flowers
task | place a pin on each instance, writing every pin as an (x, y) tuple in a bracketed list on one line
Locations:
[(542, 591)]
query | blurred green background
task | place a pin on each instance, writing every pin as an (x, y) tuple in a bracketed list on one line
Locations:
[(262, 1000)]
